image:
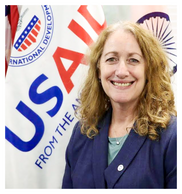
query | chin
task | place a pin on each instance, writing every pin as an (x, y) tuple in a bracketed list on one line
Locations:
[(120, 101)]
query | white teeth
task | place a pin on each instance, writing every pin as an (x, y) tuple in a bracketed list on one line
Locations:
[(121, 84)]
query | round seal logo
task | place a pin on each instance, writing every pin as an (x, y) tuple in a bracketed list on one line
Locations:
[(33, 36), (160, 26)]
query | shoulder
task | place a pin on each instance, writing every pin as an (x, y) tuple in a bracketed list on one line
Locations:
[(77, 139), (168, 141), (169, 146), (172, 124), (170, 133), (76, 133)]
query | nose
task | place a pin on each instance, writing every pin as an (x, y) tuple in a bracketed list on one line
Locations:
[(121, 70)]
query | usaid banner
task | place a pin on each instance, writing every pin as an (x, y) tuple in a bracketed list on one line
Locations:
[(46, 69)]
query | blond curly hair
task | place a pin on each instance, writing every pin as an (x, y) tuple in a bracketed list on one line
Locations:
[(156, 102)]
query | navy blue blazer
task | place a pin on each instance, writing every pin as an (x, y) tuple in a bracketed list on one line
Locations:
[(141, 162)]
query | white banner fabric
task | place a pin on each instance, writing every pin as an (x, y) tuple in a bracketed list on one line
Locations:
[(42, 85)]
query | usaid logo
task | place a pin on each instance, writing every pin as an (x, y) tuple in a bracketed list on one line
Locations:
[(34, 37), (29, 35)]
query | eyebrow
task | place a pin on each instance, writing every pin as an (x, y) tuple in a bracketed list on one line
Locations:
[(116, 53), (130, 54), (111, 52)]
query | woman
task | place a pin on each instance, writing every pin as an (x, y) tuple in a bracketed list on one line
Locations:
[(126, 136)]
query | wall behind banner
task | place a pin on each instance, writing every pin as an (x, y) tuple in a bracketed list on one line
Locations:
[(114, 13)]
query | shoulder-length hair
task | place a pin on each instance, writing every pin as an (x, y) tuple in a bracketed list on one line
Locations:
[(156, 102)]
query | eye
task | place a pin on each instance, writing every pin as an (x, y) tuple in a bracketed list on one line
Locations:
[(133, 60), (111, 59)]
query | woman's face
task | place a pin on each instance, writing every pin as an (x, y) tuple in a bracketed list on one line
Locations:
[(122, 68)]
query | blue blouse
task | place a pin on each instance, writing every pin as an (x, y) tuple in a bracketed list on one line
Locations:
[(114, 145)]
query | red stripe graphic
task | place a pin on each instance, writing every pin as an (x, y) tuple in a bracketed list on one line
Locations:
[(37, 27), (31, 38), (27, 42), (23, 46), (34, 32)]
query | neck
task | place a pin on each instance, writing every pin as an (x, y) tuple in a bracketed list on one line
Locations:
[(125, 113), (122, 120)]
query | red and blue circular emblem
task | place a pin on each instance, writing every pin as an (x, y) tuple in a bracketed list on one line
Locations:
[(33, 36)]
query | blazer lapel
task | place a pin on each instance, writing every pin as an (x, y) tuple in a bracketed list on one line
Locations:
[(121, 162), (100, 151)]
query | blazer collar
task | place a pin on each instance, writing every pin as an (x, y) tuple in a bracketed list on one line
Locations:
[(109, 174), (125, 156), (100, 150)]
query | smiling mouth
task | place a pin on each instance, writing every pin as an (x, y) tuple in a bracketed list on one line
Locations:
[(122, 84)]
